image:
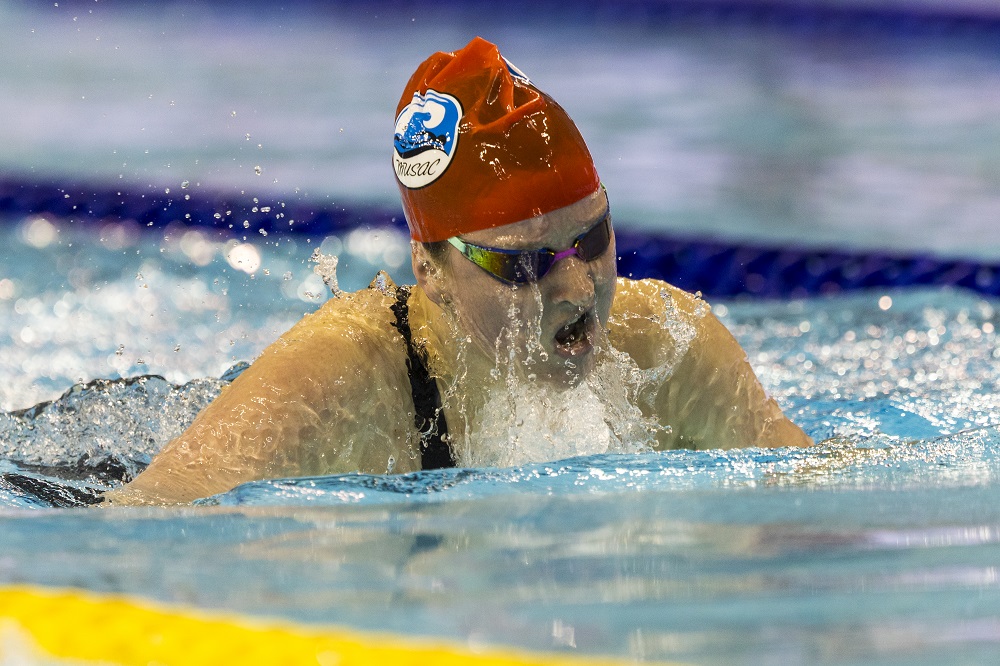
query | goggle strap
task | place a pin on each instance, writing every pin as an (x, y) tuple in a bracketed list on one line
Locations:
[(568, 252)]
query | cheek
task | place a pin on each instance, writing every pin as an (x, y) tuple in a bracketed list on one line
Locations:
[(504, 314), (605, 280), (480, 304)]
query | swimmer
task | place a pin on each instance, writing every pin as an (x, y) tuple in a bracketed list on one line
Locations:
[(518, 343)]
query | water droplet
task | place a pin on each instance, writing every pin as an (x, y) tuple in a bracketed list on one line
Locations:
[(257, 170)]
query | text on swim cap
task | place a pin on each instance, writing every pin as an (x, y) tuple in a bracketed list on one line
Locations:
[(425, 139), (416, 169)]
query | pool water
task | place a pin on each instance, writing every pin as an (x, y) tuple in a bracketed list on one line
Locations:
[(840, 135), (875, 546), (878, 545)]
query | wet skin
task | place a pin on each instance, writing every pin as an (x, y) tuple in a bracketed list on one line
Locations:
[(332, 394), (557, 319)]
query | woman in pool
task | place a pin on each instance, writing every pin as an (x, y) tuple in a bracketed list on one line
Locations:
[(518, 343)]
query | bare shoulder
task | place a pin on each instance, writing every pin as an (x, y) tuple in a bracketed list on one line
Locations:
[(339, 377), (330, 395), (340, 344), (704, 386), (656, 322), (646, 297)]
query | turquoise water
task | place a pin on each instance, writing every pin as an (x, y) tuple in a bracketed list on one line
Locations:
[(876, 546)]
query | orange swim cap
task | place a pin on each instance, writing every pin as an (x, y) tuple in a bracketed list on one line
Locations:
[(478, 146)]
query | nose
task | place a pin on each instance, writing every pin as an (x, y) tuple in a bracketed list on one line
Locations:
[(571, 281)]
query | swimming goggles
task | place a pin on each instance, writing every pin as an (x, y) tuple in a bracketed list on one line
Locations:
[(520, 266)]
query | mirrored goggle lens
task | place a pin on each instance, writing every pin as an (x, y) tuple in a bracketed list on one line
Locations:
[(531, 265), (588, 247), (512, 267), (594, 243)]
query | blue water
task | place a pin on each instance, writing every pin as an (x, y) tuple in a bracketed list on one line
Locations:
[(746, 132), (879, 545), (875, 546)]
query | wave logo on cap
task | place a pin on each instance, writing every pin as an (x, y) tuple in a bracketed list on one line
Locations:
[(426, 137)]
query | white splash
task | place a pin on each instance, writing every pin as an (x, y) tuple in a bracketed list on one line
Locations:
[(326, 268), (536, 422)]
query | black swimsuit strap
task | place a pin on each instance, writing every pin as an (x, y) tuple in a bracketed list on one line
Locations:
[(428, 416)]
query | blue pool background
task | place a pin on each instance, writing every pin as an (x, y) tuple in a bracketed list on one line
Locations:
[(814, 126)]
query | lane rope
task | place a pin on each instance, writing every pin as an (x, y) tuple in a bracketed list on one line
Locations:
[(714, 267)]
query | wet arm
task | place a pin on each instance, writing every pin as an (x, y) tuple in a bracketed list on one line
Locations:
[(710, 396), (714, 399), (315, 402)]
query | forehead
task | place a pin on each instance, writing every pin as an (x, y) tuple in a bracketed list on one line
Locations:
[(554, 229)]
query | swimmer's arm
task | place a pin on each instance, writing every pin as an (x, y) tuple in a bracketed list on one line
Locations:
[(313, 403), (718, 400), (713, 398)]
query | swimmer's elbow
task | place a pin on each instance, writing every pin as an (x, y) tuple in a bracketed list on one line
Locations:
[(131, 496), (125, 496), (781, 432)]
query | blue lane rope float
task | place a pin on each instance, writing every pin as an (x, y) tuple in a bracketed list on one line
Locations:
[(719, 269), (715, 268)]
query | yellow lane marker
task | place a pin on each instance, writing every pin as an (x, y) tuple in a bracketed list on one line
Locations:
[(79, 626)]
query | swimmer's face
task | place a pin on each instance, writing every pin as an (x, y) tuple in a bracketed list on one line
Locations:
[(550, 328)]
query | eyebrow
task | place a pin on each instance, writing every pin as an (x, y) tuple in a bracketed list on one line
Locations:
[(600, 218), (593, 222)]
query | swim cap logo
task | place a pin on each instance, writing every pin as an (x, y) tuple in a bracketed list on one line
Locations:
[(426, 137)]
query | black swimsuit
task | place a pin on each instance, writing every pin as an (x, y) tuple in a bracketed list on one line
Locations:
[(428, 416)]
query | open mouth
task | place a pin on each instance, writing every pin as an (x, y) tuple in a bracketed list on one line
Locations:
[(573, 339)]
